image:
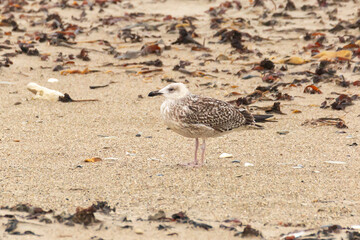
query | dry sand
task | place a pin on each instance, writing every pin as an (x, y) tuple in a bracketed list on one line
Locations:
[(43, 144)]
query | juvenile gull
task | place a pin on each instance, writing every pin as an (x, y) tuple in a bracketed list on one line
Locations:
[(197, 117)]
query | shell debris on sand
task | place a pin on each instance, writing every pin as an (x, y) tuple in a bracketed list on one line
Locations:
[(43, 92), (225, 155)]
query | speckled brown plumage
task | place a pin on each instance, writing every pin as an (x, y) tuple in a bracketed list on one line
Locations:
[(213, 113), (197, 117)]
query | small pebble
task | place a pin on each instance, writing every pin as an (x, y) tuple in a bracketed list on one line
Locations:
[(249, 76), (139, 231), (69, 223), (222, 57), (282, 132), (236, 161), (58, 68)]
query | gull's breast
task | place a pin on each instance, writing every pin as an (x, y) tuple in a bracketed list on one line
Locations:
[(173, 113)]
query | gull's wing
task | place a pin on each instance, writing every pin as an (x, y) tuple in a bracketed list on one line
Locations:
[(214, 113)]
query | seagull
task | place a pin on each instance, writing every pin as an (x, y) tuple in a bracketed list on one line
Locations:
[(194, 116)]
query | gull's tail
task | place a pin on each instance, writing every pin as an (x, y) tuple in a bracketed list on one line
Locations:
[(251, 120), (263, 118)]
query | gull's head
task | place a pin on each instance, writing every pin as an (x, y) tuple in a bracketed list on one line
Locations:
[(172, 91)]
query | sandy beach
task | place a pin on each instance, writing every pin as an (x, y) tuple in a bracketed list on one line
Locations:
[(288, 177)]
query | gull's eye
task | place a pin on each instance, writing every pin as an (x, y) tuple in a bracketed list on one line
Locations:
[(171, 89)]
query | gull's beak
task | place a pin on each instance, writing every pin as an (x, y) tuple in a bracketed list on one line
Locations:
[(154, 93)]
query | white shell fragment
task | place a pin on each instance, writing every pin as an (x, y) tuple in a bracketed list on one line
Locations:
[(226, 155), (248, 164), (6, 83), (298, 166), (335, 162), (109, 137), (132, 154), (52, 80), (111, 158), (43, 92)]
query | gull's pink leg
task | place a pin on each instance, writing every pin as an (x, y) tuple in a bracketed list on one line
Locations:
[(196, 150), (195, 163), (203, 146)]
